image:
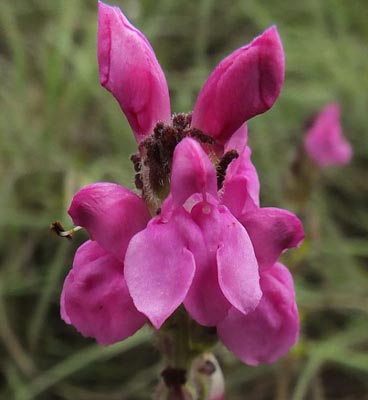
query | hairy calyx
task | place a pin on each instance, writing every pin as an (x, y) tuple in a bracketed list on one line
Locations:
[(152, 164)]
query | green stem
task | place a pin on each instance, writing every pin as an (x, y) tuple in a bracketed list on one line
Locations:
[(189, 368)]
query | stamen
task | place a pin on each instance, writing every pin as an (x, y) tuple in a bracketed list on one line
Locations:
[(223, 164), (202, 137), (137, 162), (181, 121), (138, 181), (153, 162), (59, 230)]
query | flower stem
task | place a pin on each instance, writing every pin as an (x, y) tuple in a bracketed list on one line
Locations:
[(190, 372)]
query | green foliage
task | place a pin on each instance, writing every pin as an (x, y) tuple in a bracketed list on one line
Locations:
[(59, 130)]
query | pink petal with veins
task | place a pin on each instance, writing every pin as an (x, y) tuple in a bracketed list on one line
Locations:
[(205, 300), (272, 231), (227, 270), (159, 267), (238, 140), (129, 69), (95, 298), (192, 172), (244, 84), (111, 214), (269, 332), (237, 265), (241, 185)]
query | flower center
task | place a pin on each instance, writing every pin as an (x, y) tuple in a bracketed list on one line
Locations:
[(153, 162)]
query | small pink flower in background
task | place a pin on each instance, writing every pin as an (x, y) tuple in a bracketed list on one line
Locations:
[(197, 235), (324, 141)]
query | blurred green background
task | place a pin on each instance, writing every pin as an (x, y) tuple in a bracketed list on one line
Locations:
[(60, 130)]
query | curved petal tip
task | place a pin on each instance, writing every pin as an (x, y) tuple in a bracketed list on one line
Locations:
[(244, 84), (129, 69)]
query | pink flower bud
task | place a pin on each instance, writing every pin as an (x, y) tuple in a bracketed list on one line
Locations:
[(244, 84), (129, 69), (324, 141)]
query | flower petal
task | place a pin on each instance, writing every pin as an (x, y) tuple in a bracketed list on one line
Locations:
[(241, 185), (159, 268), (237, 265), (271, 329), (129, 69), (324, 141), (205, 301), (238, 140), (111, 214), (95, 298), (192, 172), (272, 231), (64, 316), (244, 84), (227, 271)]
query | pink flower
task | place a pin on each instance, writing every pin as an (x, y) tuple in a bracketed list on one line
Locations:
[(215, 266), (324, 141), (196, 252), (197, 236), (218, 255)]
